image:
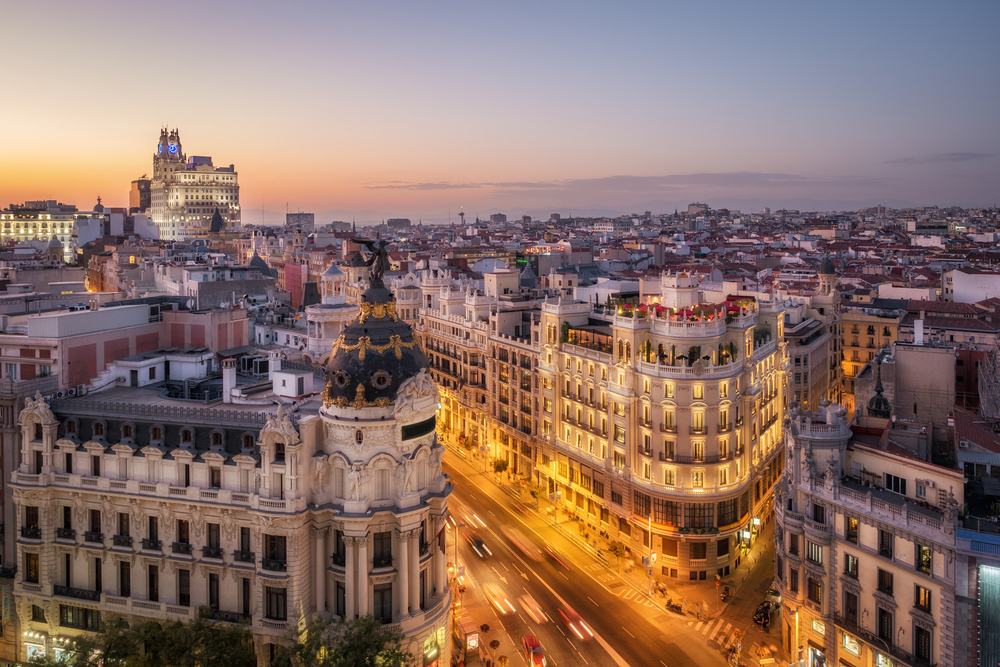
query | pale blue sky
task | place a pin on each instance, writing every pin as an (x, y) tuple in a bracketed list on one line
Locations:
[(420, 107)]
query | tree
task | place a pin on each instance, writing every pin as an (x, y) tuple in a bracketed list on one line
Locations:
[(361, 642), (202, 643), (616, 549), (500, 465)]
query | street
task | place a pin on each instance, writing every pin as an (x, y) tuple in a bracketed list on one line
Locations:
[(628, 627)]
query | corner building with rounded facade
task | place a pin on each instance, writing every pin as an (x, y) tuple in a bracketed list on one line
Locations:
[(160, 511), (667, 421)]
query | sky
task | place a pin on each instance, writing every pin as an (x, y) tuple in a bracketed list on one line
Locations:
[(422, 109)]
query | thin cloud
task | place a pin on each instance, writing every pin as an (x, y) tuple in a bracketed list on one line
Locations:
[(941, 157), (646, 184)]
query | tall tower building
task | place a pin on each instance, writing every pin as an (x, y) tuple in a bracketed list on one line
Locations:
[(185, 192)]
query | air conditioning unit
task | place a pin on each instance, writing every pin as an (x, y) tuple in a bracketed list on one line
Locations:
[(963, 444), (929, 483), (71, 392), (60, 394), (81, 389)]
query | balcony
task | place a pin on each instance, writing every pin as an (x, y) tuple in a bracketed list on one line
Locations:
[(121, 540), (181, 548), (32, 533), (65, 534), (382, 561), (664, 428), (698, 430), (424, 548), (725, 428), (241, 556), (211, 552), (666, 458), (76, 593), (851, 627), (93, 536), (273, 564), (152, 544), (224, 616), (340, 560)]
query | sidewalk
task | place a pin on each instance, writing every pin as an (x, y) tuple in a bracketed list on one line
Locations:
[(632, 574)]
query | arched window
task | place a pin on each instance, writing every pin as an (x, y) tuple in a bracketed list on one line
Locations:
[(248, 441), (279, 451), (98, 429), (70, 426), (157, 433), (126, 431), (216, 439), (359, 436), (186, 435)]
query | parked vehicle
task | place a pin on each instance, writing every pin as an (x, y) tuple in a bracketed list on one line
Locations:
[(773, 596)]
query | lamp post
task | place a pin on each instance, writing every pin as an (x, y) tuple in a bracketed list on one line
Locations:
[(456, 526)]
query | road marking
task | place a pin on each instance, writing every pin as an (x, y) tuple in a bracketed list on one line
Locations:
[(718, 626), (592, 600), (629, 633), (612, 653), (564, 576), (663, 663), (697, 627), (581, 656), (504, 566), (490, 511)]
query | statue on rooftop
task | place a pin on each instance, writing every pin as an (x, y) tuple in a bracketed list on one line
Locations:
[(378, 261)]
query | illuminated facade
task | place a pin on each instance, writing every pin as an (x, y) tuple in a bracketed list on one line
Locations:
[(671, 413), (42, 220), (185, 192)]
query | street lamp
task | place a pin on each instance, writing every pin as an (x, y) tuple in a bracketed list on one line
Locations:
[(456, 526)]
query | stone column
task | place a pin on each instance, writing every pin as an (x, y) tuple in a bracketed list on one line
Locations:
[(362, 581), (321, 569), (414, 571), (440, 561), (349, 577), (404, 572)]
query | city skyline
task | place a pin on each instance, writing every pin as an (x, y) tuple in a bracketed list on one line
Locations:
[(420, 111)]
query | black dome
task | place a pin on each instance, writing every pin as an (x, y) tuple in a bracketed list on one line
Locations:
[(827, 268), (375, 355)]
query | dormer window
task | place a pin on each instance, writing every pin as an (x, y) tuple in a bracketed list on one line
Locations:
[(186, 435), (216, 439), (98, 429), (248, 441), (279, 451), (157, 433), (38, 431), (71, 427), (126, 431)]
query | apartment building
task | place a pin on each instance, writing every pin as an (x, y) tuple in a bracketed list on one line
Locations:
[(134, 502), (865, 552), (867, 327), (660, 421)]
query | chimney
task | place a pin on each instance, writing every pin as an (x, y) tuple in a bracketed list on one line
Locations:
[(918, 332), (228, 379)]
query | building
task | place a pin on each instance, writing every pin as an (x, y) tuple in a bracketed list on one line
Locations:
[(134, 501), (866, 328), (304, 222), (185, 192), (42, 220), (663, 421), (139, 195), (865, 555)]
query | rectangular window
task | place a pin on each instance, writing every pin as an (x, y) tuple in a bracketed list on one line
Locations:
[(815, 590), (851, 529), (895, 484), (619, 434), (598, 489), (95, 521), (277, 608), (382, 549), (851, 566), (78, 617), (184, 588), (153, 583), (819, 513), (922, 599), (215, 477), (274, 547), (884, 582), (213, 590), (666, 512), (698, 392), (123, 527), (793, 580), (30, 568), (699, 515), (923, 559), (31, 517), (382, 603), (619, 459), (922, 643), (793, 544), (850, 608), (183, 531), (698, 479), (124, 579), (814, 552), (616, 498), (95, 466), (153, 528), (885, 543), (213, 538)]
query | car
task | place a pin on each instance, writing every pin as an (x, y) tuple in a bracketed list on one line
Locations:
[(478, 545), (498, 599), (534, 654), (763, 614), (532, 608), (575, 624), (773, 595), (556, 556), (522, 542)]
